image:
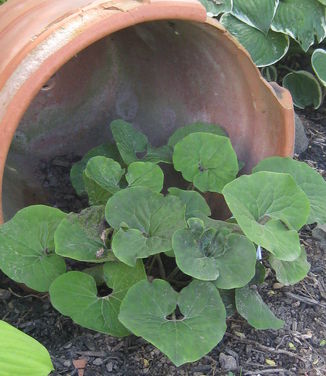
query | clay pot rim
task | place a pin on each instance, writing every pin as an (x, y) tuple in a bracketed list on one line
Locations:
[(94, 30)]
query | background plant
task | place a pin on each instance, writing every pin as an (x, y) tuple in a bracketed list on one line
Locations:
[(157, 264), (285, 38)]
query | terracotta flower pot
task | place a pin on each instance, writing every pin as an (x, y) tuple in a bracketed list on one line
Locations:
[(67, 68)]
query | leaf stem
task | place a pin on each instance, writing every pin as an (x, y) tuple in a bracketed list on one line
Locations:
[(174, 272), (160, 266)]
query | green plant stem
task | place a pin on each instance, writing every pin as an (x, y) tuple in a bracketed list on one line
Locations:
[(174, 272), (160, 266), (286, 68), (151, 265)]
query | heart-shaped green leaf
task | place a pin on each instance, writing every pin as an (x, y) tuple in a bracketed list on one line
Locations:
[(216, 7), (309, 180), (145, 174), (27, 247), (74, 294), (251, 11), (264, 49), (302, 20), (146, 309), (22, 355), (269, 207), (129, 141), (304, 88), (157, 155), (207, 160), (251, 306), (214, 255), (182, 132), (78, 236), (77, 170), (318, 62), (196, 205), (145, 222), (290, 272)]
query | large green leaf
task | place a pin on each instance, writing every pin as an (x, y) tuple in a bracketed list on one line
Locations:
[(101, 178), (264, 49), (256, 13), (304, 88), (75, 294), (214, 255), (196, 205), (318, 62), (146, 309), (290, 272), (27, 247), (182, 132), (207, 160), (251, 306), (156, 155), (309, 180), (78, 236), (302, 20), (270, 208), (145, 174), (76, 172), (22, 355), (145, 222), (216, 7)]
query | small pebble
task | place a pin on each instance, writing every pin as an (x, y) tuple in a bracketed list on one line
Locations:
[(98, 362), (109, 367), (67, 363), (227, 362)]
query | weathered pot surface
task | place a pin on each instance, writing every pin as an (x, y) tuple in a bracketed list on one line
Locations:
[(68, 68)]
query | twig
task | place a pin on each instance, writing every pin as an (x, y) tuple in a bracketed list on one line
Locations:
[(28, 296), (267, 370), (304, 299)]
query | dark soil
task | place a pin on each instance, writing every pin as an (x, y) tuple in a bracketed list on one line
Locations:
[(297, 349)]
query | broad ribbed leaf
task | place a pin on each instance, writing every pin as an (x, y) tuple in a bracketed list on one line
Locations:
[(145, 174), (318, 62), (216, 7)]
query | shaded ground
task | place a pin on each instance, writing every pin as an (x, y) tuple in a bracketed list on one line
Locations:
[(298, 349)]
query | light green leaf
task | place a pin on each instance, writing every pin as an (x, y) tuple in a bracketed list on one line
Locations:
[(129, 141), (304, 88), (145, 174), (264, 49), (76, 172), (255, 13), (251, 306), (303, 20), (309, 180), (214, 255), (322, 2), (290, 272), (207, 160), (157, 155), (196, 205), (22, 355), (318, 62), (216, 7), (182, 132), (78, 236), (101, 178), (145, 222), (146, 309), (27, 247), (270, 208), (74, 294)]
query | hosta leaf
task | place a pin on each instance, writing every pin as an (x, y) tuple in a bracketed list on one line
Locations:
[(145, 222), (22, 355), (264, 49), (270, 208), (182, 132), (76, 172), (195, 203), (216, 7), (290, 272), (302, 20), (256, 13), (101, 178), (304, 88), (157, 155), (145, 174), (309, 180), (322, 2), (259, 274), (146, 309), (251, 306), (207, 160), (27, 247), (318, 62), (74, 294), (129, 141), (78, 236), (228, 299), (214, 255)]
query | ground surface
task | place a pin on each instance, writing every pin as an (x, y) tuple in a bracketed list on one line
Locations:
[(298, 349)]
